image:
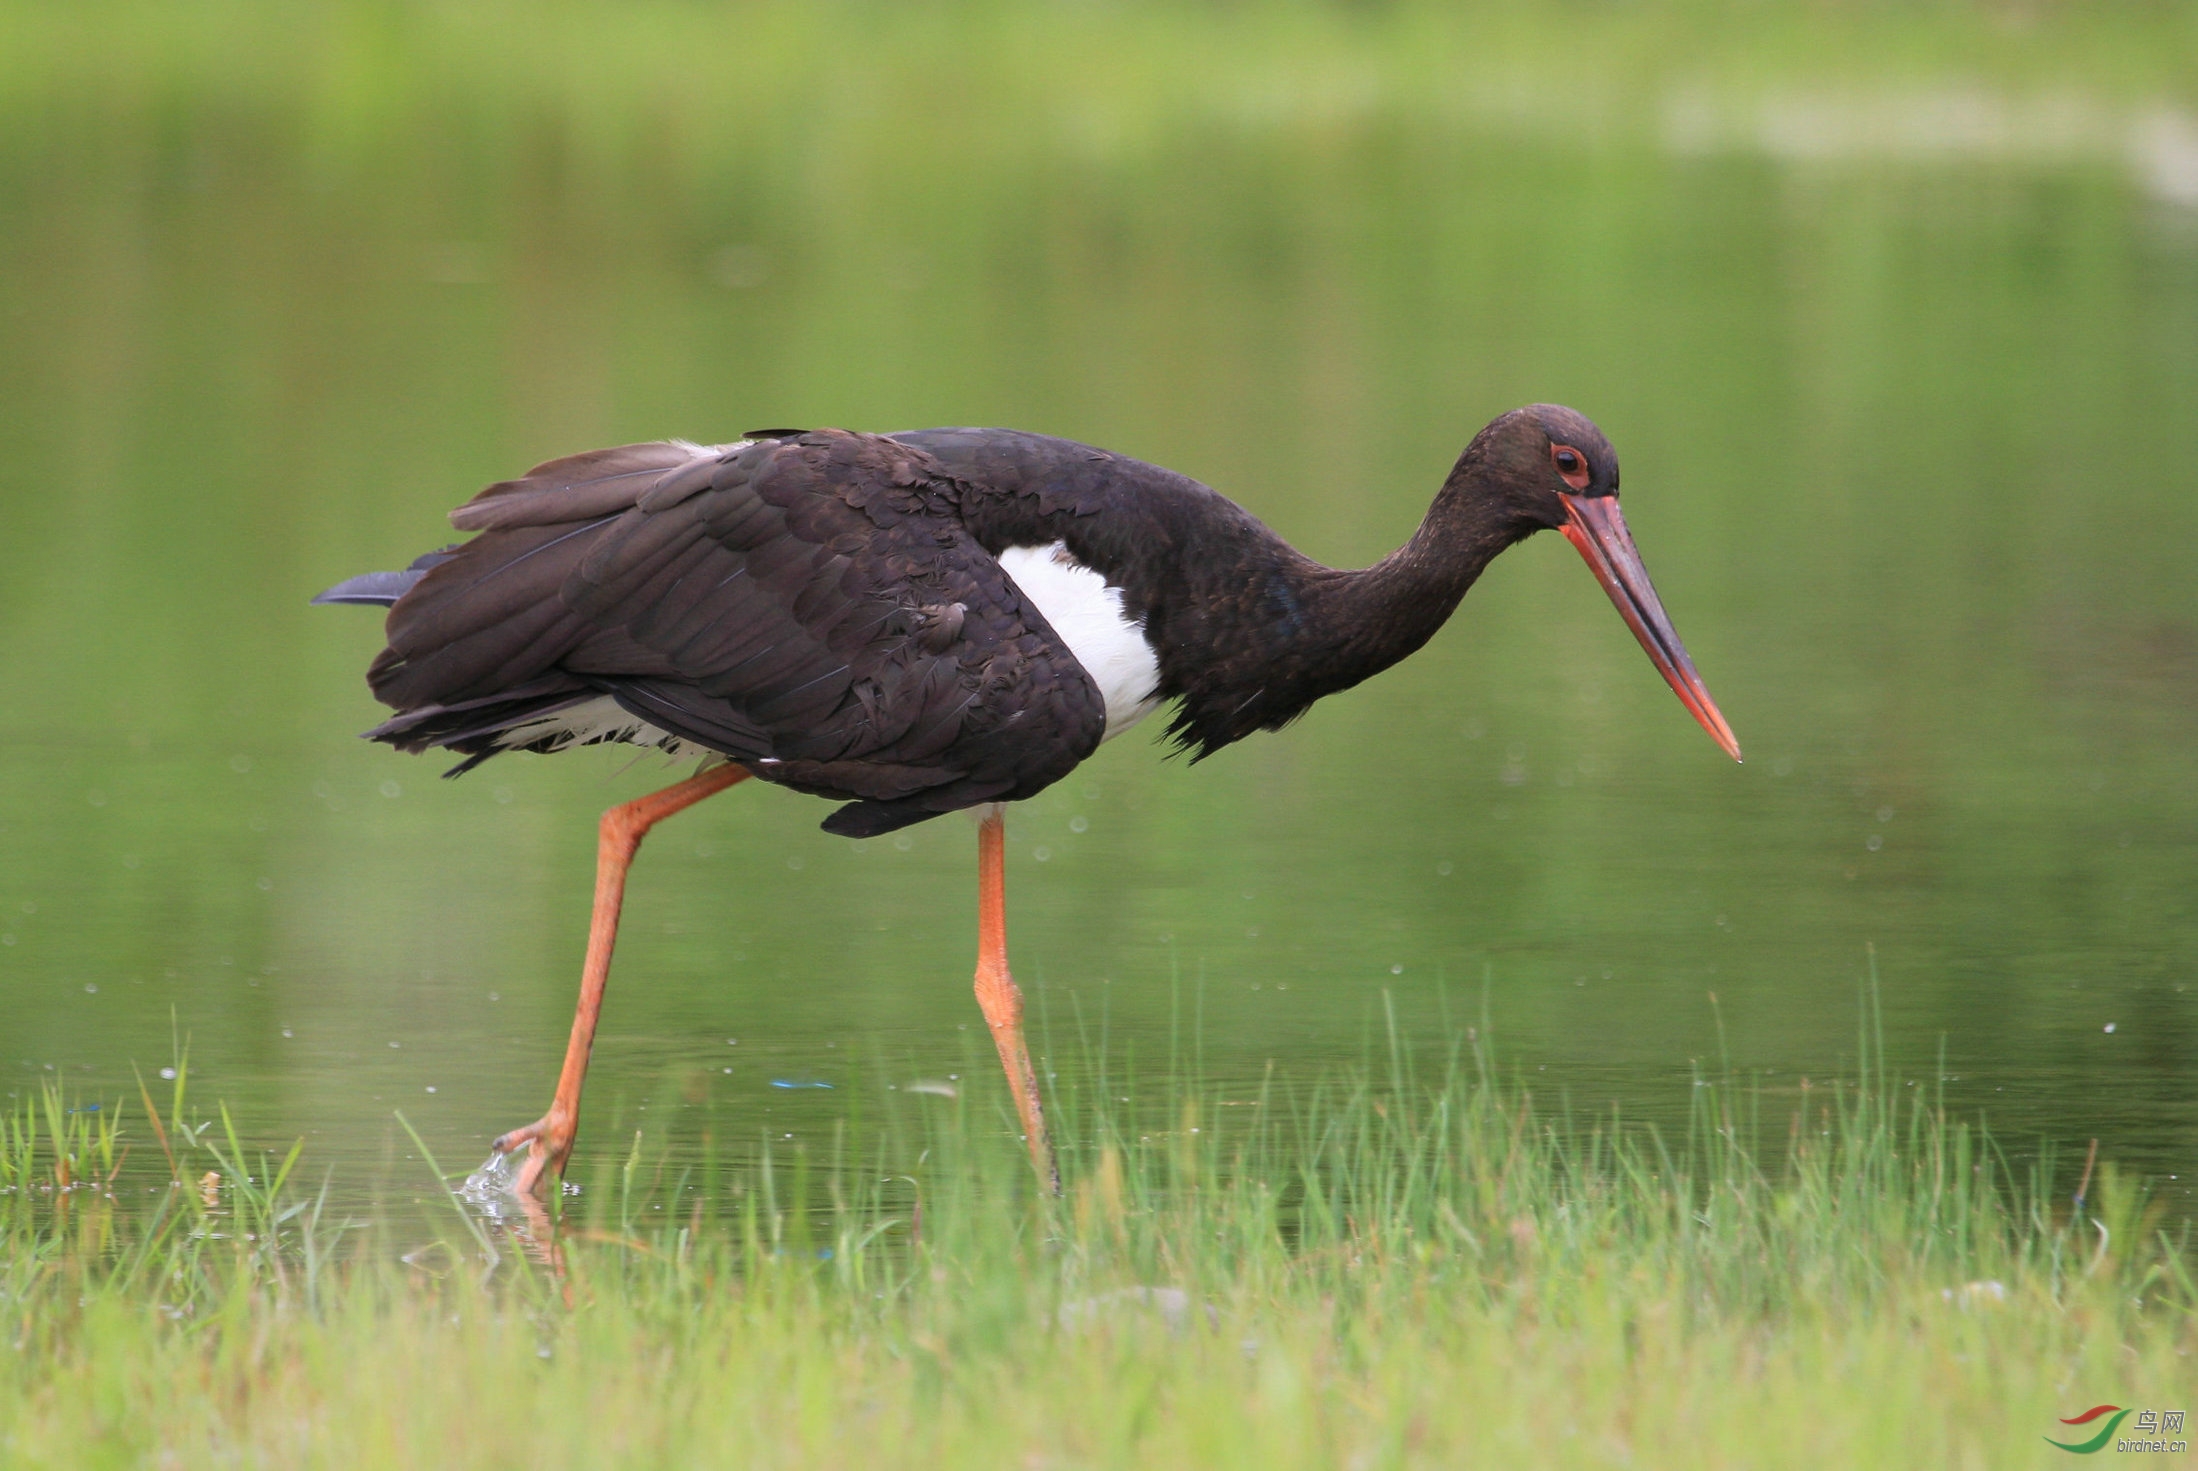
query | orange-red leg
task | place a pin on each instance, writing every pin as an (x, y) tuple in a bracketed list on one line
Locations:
[(1000, 998), (549, 1138)]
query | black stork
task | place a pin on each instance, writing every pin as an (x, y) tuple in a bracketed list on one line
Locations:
[(914, 624)]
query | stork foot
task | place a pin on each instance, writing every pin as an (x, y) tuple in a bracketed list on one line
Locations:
[(548, 1142)]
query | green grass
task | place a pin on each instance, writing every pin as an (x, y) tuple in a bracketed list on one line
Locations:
[(1368, 1271)]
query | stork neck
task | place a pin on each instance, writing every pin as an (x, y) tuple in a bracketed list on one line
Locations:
[(1379, 614)]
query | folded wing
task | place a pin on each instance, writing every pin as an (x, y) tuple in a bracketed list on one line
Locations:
[(812, 606)]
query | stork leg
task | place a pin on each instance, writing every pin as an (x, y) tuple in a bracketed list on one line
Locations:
[(549, 1138), (1002, 1000)]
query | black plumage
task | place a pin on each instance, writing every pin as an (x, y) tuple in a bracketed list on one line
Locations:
[(827, 608)]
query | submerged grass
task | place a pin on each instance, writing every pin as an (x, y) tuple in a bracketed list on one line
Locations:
[(1364, 1271)]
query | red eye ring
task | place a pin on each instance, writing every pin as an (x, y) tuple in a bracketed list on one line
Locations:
[(1571, 465)]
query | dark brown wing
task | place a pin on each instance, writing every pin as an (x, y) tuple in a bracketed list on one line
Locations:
[(814, 607)]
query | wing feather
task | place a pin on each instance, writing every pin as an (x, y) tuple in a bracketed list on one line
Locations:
[(580, 486), (813, 606)]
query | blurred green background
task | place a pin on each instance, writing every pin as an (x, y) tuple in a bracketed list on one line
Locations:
[(1892, 312)]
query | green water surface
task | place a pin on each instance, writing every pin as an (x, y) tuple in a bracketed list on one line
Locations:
[(1906, 410)]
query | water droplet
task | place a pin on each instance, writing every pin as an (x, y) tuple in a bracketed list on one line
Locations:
[(396, 1044), (431, 1087), (391, 789), (1443, 869), (903, 843), (169, 1073), (1041, 853), (1396, 970), (502, 794), (1873, 842), (240, 764), (90, 989), (265, 885), (1079, 824), (2109, 1027), (795, 861), (286, 1031)]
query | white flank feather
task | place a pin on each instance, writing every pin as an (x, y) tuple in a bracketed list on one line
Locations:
[(1088, 616), (599, 719)]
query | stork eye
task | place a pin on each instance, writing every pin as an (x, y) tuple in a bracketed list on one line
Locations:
[(1571, 465)]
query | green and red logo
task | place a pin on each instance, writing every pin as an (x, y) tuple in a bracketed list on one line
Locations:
[(2097, 1442)]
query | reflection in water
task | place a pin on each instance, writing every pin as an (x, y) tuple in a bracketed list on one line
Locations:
[(518, 1217), (1904, 443)]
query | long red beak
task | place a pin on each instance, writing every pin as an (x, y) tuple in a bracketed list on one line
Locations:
[(1592, 524)]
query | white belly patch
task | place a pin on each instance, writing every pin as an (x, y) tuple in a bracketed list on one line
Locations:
[(1089, 617)]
